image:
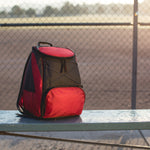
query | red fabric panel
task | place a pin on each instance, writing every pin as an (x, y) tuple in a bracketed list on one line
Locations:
[(27, 101), (64, 101), (37, 96), (32, 100), (56, 51)]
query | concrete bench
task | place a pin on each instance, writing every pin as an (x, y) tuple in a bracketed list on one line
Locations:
[(89, 120)]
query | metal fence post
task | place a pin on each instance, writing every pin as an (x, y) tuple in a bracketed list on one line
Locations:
[(135, 49)]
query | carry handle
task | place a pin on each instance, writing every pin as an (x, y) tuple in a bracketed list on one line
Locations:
[(39, 43)]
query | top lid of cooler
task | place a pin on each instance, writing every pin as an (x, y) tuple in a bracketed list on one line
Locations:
[(56, 51)]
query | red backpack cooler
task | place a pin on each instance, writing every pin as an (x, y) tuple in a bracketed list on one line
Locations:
[(51, 85)]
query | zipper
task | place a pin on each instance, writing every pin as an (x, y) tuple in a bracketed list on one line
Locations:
[(63, 66), (43, 89)]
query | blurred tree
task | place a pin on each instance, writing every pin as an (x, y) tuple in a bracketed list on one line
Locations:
[(127, 9), (80, 9), (84, 9), (67, 9), (100, 9), (115, 9), (3, 14), (30, 12), (50, 11), (16, 11)]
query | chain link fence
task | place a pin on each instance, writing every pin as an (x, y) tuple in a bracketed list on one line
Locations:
[(100, 33), (143, 78)]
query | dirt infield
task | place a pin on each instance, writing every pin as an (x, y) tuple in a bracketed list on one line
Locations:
[(105, 62)]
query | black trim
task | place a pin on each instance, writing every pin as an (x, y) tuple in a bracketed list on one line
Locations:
[(144, 23), (21, 86), (29, 81), (65, 24)]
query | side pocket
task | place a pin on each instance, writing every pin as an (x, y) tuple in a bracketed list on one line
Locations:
[(63, 102)]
